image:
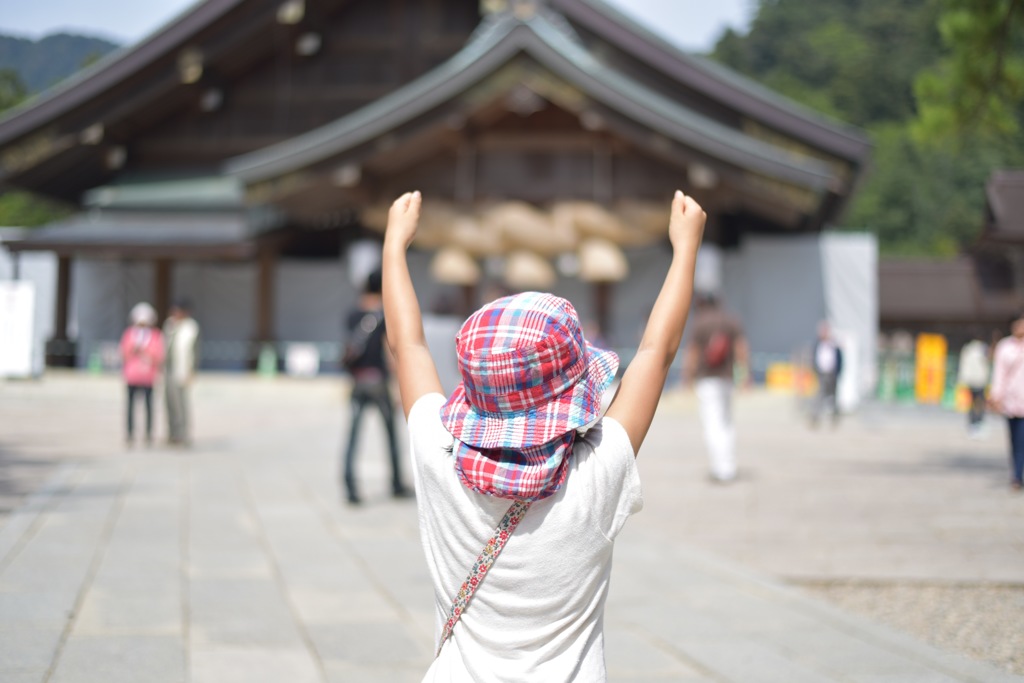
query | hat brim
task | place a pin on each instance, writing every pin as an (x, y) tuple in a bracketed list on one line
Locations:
[(529, 473), (567, 412)]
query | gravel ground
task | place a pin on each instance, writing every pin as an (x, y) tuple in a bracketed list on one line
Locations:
[(985, 622)]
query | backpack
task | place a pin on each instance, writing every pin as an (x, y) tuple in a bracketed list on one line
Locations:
[(357, 346), (716, 352)]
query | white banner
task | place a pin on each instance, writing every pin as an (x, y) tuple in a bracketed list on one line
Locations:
[(17, 310)]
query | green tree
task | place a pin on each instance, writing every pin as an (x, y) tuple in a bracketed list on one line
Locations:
[(17, 207), (852, 59), (925, 200), (978, 86), (914, 75), (27, 210), (12, 90)]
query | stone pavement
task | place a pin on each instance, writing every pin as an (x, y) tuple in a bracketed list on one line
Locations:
[(236, 560)]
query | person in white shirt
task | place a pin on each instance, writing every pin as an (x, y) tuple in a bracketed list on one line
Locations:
[(972, 372), (181, 332), (827, 359), (524, 427)]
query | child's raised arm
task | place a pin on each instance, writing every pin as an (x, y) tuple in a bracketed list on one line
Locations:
[(634, 405), (414, 366)]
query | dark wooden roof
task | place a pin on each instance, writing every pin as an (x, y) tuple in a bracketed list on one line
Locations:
[(540, 36), (138, 107), (111, 70), (146, 234), (391, 77), (939, 292), (927, 290), (1005, 195)]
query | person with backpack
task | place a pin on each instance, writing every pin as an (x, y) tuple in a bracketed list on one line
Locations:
[(364, 359), (518, 460), (716, 350)]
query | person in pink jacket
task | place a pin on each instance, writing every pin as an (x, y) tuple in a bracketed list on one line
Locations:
[(1007, 393), (142, 353)]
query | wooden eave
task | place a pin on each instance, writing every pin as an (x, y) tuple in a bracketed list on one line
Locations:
[(153, 233), (237, 250), (497, 41), (939, 292), (927, 290), (112, 70), (717, 82)]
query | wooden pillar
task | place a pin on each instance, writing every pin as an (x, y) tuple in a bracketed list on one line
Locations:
[(162, 288), (60, 320), (60, 352)]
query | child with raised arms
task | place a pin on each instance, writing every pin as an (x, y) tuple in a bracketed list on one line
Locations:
[(519, 461)]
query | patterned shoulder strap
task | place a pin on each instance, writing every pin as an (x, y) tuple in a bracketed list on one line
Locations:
[(482, 565)]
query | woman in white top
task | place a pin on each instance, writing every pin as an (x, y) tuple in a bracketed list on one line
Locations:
[(522, 439)]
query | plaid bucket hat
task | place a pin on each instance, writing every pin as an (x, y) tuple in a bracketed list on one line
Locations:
[(528, 375)]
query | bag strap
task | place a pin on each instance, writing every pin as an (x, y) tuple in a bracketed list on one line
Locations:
[(482, 565)]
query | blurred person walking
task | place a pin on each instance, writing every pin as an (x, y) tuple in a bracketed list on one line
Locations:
[(972, 372), (827, 359), (522, 442), (716, 353), (1007, 394), (182, 333), (142, 353), (365, 360)]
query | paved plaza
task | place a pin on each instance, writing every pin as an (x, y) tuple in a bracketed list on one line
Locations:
[(238, 561)]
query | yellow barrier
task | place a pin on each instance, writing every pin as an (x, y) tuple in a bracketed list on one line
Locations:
[(930, 375), (789, 378)]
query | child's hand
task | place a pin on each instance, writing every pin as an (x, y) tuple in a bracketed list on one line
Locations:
[(403, 218), (686, 226)]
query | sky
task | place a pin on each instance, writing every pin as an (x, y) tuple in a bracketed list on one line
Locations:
[(694, 25)]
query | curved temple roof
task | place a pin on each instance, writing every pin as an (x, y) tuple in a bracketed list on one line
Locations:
[(545, 37)]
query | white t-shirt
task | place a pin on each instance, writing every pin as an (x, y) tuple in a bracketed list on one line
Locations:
[(539, 614), (825, 362), (973, 370)]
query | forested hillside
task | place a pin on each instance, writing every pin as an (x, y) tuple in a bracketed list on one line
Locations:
[(44, 62), (938, 84)]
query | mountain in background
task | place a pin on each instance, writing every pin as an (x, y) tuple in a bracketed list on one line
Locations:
[(47, 61)]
